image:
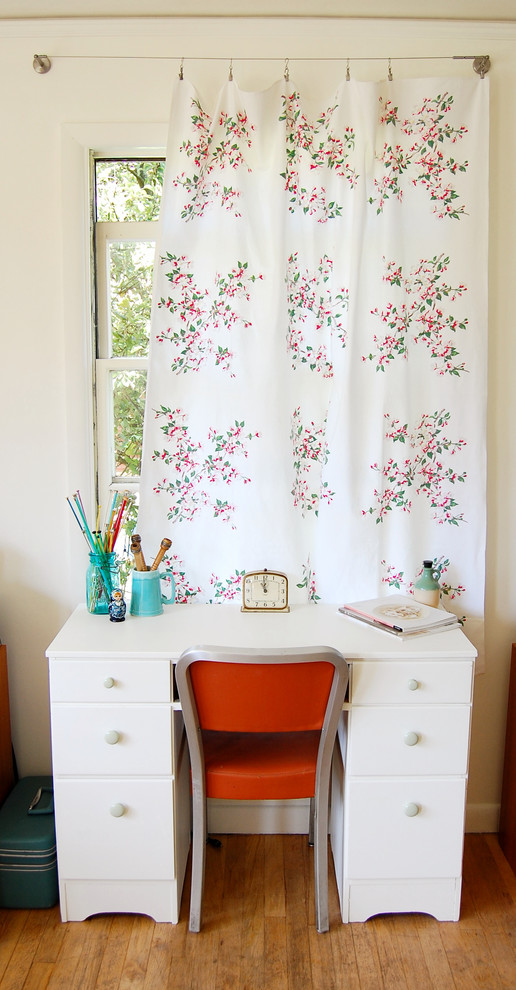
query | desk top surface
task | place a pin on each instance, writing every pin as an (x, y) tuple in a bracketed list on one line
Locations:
[(181, 626)]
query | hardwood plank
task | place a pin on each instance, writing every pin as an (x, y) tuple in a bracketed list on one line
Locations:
[(507, 874), (429, 933), (38, 977), (274, 877), (388, 953), (469, 957), (253, 921), (297, 911), (65, 968), (201, 949), (111, 967), (52, 938), (246, 944), (24, 946), (366, 953), (161, 954), (413, 961), (343, 952), (322, 961), (12, 925), (275, 972), (137, 955), (232, 907), (504, 958), (492, 900), (94, 934)]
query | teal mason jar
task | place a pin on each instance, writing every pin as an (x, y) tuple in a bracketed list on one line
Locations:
[(101, 577)]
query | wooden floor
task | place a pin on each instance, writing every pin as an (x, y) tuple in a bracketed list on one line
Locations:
[(259, 934)]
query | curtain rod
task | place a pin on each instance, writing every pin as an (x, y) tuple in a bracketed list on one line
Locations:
[(481, 63)]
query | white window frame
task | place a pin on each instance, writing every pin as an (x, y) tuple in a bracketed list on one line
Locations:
[(106, 233)]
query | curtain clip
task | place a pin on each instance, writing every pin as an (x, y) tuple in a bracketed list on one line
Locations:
[(389, 74), (348, 77), (481, 65), (181, 68), (231, 71), (286, 73)]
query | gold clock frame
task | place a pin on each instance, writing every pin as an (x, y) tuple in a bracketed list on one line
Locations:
[(269, 610)]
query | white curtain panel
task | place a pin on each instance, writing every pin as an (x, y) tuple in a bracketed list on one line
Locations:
[(317, 387)]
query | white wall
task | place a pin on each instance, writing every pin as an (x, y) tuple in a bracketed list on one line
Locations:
[(47, 123)]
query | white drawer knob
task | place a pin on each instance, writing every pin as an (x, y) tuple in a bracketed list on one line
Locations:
[(411, 738), (109, 682), (411, 809), (117, 810), (413, 684), (112, 737)]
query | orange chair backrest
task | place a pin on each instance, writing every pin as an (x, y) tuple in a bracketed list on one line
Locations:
[(261, 697)]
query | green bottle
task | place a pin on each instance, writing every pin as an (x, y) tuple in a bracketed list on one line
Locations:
[(427, 589)]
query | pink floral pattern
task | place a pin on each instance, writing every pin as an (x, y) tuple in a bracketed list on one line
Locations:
[(422, 157), (309, 582), (217, 145), (325, 147), (424, 472), (314, 313), (420, 316), (312, 287), (185, 590), (194, 466), (227, 589), (310, 454), (394, 578), (200, 313)]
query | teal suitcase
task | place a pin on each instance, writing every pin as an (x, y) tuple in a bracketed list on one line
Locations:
[(28, 862)]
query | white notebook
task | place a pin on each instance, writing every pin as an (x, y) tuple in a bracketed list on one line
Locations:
[(401, 615)]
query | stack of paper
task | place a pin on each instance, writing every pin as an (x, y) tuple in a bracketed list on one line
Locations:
[(400, 615)]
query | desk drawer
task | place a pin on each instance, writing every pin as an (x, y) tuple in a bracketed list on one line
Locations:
[(414, 682), (384, 842), (409, 740), (110, 681), (95, 844), (132, 739)]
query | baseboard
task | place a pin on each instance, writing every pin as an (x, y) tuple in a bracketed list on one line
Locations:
[(482, 817), (258, 817)]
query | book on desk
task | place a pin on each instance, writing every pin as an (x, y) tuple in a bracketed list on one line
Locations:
[(400, 615)]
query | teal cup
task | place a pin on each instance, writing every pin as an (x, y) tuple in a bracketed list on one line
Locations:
[(147, 597)]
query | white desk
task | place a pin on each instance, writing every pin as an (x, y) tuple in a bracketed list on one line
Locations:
[(121, 774)]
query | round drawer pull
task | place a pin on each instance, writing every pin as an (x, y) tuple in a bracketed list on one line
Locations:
[(112, 737), (109, 682), (117, 810), (411, 738), (413, 684), (411, 809)]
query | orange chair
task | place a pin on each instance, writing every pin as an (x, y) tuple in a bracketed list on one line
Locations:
[(261, 724)]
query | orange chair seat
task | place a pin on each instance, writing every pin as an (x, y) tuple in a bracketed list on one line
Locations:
[(260, 765)]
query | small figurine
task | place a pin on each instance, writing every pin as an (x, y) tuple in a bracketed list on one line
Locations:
[(117, 606)]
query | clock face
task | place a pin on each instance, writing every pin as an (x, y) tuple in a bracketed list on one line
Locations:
[(265, 591)]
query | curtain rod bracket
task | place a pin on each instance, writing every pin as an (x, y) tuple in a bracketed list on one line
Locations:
[(41, 64)]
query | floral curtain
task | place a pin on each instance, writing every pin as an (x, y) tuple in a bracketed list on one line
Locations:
[(317, 384)]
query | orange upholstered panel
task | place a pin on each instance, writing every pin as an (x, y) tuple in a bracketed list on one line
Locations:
[(287, 697)]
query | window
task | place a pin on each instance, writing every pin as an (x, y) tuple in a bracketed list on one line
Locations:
[(126, 202)]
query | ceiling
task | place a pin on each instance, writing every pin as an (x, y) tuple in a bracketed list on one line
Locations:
[(433, 9)]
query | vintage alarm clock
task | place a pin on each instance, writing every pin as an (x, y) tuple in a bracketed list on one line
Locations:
[(265, 591)]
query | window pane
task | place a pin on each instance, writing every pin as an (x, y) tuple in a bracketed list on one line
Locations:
[(130, 292), (128, 190), (128, 392)]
